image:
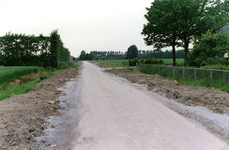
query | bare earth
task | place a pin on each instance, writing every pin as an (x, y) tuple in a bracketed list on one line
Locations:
[(214, 99), (22, 117), (113, 113)]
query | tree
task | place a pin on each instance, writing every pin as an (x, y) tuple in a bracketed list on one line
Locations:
[(209, 49), (54, 48), (176, 22), (161, 29), (132, 52), (82, 55), (197, 17)]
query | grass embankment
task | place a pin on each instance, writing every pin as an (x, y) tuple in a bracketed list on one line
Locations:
[(218, 84), (20, 80)]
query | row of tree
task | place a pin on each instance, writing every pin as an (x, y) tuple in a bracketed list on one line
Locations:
[(93, 55), (177, 23), (22, 50)]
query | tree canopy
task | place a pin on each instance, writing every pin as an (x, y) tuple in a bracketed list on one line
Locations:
[(176, 22), (132, 52)]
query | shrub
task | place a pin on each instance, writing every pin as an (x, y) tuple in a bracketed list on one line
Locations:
[(148, 61), (63, 65), (209, 49), (133, 62), (142, 61), (153, 61)]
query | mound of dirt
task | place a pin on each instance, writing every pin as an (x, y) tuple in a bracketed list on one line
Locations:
[(22, 117), (214, 99)]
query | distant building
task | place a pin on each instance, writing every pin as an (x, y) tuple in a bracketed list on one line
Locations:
[(71, 58)]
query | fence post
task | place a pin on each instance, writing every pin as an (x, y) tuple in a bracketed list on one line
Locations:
[(183, 72), (173, 71), (211, 75), (195, 74)]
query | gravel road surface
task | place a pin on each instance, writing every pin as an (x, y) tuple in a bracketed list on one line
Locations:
[(117, 115)]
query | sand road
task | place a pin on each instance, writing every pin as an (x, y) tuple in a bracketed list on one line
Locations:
[(116, 115)]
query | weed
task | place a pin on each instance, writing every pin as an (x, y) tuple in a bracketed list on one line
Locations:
[(219, 84)]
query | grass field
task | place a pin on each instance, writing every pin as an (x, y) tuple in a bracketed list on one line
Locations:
[(169, 61), (113, 63), (8, 74), (118, 63)]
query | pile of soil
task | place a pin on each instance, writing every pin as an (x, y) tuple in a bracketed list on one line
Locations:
[(214, 99), (22, 117)]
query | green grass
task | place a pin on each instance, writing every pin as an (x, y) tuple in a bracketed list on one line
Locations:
[(9, 73), (218, 84), (27, 86), (118, 63), (170, 61), (113, 63), (24, 87)]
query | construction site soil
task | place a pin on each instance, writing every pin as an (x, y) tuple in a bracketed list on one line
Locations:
[(22, 117), (214, 99)]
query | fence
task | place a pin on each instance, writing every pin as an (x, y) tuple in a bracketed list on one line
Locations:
[(194, 73)]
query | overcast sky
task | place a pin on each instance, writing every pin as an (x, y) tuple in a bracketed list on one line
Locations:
[(102, 25)]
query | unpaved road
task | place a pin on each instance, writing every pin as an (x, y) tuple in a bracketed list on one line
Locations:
[(117, 115)]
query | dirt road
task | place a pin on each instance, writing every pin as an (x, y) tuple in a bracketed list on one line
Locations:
[(117, 115)]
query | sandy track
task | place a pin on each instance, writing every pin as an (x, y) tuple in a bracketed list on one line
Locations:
[(116, 115)]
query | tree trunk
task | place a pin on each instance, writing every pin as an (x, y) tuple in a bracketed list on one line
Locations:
[(186, 44), (174, 56)]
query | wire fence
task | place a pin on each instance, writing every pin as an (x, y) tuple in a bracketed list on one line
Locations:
[(194, 73)]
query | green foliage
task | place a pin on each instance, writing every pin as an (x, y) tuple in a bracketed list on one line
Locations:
[(153, 61), (132, 52), (82, 55), (219, 84), (217, 67), (175, 22), (58, 51), (159, 54), (86, 56), (133, 62), (22, 50), (103, 55), (66, 65), (209, 49), (154, 70), (142, 61), (63, 65)]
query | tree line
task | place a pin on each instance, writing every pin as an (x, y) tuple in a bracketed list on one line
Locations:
[(22, 50), (102, 55)]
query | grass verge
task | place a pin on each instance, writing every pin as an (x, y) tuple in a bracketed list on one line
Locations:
[(24, 87), (218, 84)]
